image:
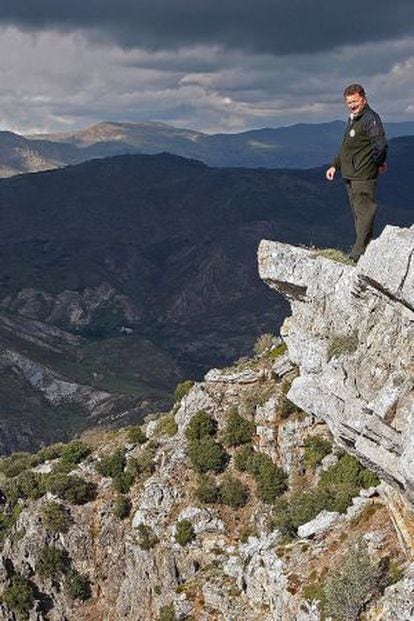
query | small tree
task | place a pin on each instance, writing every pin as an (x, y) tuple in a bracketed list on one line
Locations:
[(238, 430), (55, 517), (206, 455), (201, 426), (18, 596), (182, 389), (78, 585), (184, 532), (316, 448), (52, 561), (122, 507), (352, 586), (233, 492), (207, 490)]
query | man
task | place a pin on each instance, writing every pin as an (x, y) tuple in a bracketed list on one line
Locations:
[(361, 157)]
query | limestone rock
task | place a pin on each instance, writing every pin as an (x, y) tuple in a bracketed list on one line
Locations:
[(351, 333), (323, 521)]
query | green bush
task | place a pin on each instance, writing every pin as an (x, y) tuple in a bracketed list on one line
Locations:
[(78, 586), (136, 435), (184, 533), (238, 430), (122, 507), (18, 596), (112, 465), (54, 451), (207, 490), (349, 588), (15, 464), (344, 480), (243, 459), (182, 389), (271, 480), (206, 455), (201, 425), (146, 538), (334, 492), (52, 561), (316, 448), (55, 517), (75, 452), (233, 492), (167, 425), (167, 613), (8, 517), (27, 484), (72, 488)]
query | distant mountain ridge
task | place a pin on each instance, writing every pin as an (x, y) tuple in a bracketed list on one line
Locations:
[(297, 146), (140, 270)]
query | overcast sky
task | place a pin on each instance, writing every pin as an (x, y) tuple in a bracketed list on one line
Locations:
[(211, 65)]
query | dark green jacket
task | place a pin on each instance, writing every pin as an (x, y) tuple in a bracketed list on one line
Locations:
[(364, 147)]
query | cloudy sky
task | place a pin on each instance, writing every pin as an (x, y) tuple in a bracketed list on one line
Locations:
[(211, 65)]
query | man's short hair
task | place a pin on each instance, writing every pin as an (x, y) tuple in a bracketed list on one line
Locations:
[(353, 89)]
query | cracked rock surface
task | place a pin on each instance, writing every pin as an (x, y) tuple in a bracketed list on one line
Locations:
[(351, 333)]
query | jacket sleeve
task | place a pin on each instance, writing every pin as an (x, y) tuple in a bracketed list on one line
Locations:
[(376, 133)]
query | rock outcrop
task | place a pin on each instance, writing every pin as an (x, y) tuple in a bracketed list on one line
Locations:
[(351, 333)]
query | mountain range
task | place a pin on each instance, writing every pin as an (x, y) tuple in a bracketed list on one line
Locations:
[(297, 146), (121, 276)]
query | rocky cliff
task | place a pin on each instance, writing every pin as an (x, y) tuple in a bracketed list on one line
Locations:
[(241, 502)]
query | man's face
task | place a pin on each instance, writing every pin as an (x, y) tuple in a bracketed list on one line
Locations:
[(355, 103)]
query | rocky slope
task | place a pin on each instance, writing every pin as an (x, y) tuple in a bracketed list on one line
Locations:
[(234, 563), (241, 503)]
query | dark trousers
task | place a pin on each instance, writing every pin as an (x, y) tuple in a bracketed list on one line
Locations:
[(361, 194)]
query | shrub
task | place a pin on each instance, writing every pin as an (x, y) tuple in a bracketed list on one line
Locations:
[(316, 448), (182, 389), (233, 492), (122, 507), (201, 426), (206, 455), (54, 451), (27, 484), (75, 452), (344, 480), (112, 465), (52, 561), (270, 479), (167, 425), (263, 343), (55, 517), (18, 596), (136, 435), (348, 589), (278, 351), (146, 538), (72, 488), (8, 517), (334, 492), (238, 430), (167, 613), (207, 490), (243, 458), (78, 586), (184, 532), (15, 464)]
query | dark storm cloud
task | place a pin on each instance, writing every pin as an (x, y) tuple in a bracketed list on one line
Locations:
[(272, 26)]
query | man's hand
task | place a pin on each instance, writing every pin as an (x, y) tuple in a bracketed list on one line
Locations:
[(383, 168), (330, 173)]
